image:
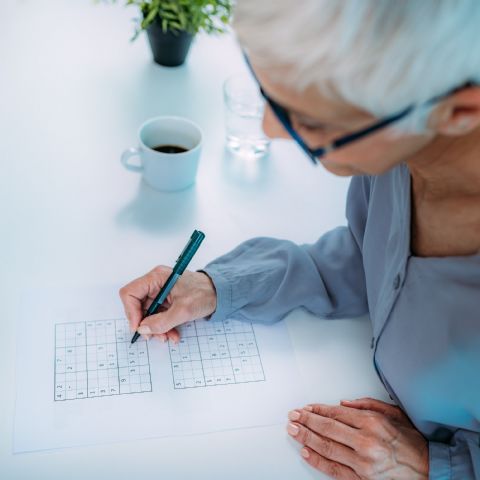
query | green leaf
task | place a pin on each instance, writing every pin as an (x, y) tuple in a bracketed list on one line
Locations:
[(168, 15), (182, 18), (193, 16), (151, 16)]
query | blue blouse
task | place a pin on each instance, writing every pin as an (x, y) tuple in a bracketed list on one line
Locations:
[(425, 312)]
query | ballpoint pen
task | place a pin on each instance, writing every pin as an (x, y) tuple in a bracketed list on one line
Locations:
[(180, 265)]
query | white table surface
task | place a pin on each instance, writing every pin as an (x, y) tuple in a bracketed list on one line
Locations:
[(73, 92)]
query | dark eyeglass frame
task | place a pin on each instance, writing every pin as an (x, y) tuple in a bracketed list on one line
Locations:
[(315, 153)]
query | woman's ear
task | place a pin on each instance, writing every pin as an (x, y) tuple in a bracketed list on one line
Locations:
[(458, 114)]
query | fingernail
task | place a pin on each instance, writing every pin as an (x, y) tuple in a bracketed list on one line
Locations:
[(292, 429), (305, 453), (346, 401), (142, 329), (293, 415), (308, 408), (164, 338)]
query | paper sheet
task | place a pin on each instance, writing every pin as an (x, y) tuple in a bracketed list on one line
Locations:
[(80, 382)]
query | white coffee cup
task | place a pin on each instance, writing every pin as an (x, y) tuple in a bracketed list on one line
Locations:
[(166, 171)]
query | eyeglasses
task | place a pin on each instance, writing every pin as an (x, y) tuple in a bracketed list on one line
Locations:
[(314, 154)]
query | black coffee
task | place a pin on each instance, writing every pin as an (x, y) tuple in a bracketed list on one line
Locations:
[(169, 149)]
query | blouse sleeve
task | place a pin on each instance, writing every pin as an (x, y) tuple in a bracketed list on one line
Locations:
[(264, 278)]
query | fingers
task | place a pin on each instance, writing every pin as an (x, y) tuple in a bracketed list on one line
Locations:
[(324, 446), (340, 413), (136, 292), (160, 336), (325, 426), (331, 468), (368, 403), (171, 335), (164, 322), (132, 302), (375, 406)]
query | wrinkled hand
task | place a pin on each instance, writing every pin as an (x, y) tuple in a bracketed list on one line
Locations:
[(193, 296), (360, 439)]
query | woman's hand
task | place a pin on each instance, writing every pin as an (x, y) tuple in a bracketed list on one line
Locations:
[(193, 296), (360, 439)]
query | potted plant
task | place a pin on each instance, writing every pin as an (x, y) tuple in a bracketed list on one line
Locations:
[(172, 24)]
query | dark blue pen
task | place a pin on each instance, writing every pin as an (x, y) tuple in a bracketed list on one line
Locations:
[(180, 265)]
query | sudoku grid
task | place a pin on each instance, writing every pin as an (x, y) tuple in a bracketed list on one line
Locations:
[(96, 358), (215, 353)]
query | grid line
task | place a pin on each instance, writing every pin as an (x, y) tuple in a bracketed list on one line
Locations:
[(227, 353), (99, 369)]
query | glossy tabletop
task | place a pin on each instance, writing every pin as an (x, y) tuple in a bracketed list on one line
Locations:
[(73, 91)]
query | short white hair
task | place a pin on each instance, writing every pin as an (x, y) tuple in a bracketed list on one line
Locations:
[(379, 55)]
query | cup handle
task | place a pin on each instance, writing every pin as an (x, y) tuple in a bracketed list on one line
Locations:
[(126, 155)]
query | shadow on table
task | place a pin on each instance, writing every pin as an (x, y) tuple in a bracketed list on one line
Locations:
[(155, 211), (245, 172)]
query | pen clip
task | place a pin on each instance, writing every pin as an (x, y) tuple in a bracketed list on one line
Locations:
[(194, 234)]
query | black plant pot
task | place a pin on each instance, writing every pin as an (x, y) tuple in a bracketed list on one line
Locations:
[(169, 49)]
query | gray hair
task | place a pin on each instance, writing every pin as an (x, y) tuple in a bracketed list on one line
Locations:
[(380, 55)]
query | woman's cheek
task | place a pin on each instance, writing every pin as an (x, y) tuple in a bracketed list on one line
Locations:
[(370, 156), (272, 128)]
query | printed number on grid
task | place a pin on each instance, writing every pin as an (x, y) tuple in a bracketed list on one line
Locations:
[(95, 359), (215, 353)]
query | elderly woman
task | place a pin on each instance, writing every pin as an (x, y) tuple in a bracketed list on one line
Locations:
[(386, 91)]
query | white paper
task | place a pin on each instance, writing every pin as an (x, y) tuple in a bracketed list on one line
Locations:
[(79, 382)]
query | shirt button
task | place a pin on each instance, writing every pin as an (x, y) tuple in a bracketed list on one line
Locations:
[(396, 281)]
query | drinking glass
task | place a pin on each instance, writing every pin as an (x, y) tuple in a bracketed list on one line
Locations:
[(244, 107)]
